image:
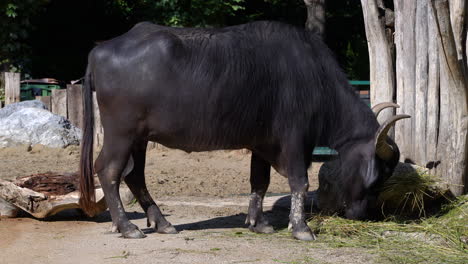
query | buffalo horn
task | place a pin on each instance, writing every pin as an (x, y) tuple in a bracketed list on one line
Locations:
[(382, 148), (379, 107)]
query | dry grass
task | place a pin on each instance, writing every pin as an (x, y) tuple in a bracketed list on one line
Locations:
[(408, 191), (438, 239)]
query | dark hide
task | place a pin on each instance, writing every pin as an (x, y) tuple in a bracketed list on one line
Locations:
[(265, 86)]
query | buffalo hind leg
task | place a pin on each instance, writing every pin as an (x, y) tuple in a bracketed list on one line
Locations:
[(296, 170), (136, 182), (110, 165), (259, 181)]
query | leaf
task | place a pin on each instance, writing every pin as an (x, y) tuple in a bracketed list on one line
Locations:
[(11, 10)]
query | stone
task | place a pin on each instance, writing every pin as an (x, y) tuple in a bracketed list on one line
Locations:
[(11, 108), (35, 125)]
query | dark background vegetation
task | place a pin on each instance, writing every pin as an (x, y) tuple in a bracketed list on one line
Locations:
[(51, 38)]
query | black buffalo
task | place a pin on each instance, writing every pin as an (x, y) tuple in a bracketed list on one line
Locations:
[(269, 87)]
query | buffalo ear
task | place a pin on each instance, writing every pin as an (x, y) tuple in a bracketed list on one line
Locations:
[(383, 149), (371, 173)]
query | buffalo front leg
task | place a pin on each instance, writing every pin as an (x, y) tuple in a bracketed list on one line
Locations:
[(136, 182), (110, 164), (296, 170), (259, 181)]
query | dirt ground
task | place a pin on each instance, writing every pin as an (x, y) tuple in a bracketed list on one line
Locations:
[(204, 195), (168, 172)]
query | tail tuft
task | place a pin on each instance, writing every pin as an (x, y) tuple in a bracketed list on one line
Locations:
[(87, 200)]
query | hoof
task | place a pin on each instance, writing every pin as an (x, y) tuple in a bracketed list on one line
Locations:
[(151, 224), (167, 229), (114, 229), (304, 235), (133, 233), (262, 229)]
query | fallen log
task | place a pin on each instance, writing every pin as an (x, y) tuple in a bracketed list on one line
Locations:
[(46, 194)]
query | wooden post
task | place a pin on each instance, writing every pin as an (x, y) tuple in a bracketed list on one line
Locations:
[(46, 100), (382, 76), (75, 105), (2, 89), (98, 137), (431, 84), (315, 16), (405, 42), (59, 102), (11, 81)]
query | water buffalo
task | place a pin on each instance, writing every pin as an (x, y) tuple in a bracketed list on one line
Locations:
[(269, 87)]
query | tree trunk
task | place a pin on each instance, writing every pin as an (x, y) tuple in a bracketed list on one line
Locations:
[(431, 81), (382, 75), (454, 151), (405, 25), (315, 16)]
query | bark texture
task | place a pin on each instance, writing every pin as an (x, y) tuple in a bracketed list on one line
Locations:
[(315, 16), (382, 75), (430, 81)]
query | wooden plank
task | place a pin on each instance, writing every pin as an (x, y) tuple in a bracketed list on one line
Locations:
[(46, 100), (98, 137), (433, 91), (315, 16), (454, 136), (11, 81), (2, 89), (405, 41), (75, 105), (382, 83), (59, 102), (421, 82), (457, 18)]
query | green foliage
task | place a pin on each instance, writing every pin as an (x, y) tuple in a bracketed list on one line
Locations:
[(187, 13), (42, 36), (14, 31)]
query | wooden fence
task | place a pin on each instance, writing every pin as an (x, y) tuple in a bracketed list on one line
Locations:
[(11, 86), (64, 102)]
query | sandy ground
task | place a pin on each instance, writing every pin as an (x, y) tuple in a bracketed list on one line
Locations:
[(202, 194), (168, 172)]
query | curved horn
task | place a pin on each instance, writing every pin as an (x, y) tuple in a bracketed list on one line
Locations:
[(382, 148), (379, 107)]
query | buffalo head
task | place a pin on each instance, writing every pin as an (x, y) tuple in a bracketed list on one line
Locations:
[(350, 184)]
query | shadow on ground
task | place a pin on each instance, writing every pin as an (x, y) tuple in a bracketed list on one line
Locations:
[(278, 216)]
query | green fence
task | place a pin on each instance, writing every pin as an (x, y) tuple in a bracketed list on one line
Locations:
[(29, 91)]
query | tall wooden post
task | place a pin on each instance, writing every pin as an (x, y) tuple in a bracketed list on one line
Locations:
[(59, 102), (46, 100), (382, 76), (315, 16), (11, 81), (431, 82), (98, 137), (75, 105)]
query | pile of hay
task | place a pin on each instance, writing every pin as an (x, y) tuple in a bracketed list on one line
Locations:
[(442, 238), (413, 191)]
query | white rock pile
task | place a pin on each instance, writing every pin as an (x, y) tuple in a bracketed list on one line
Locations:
[(30, 123)]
